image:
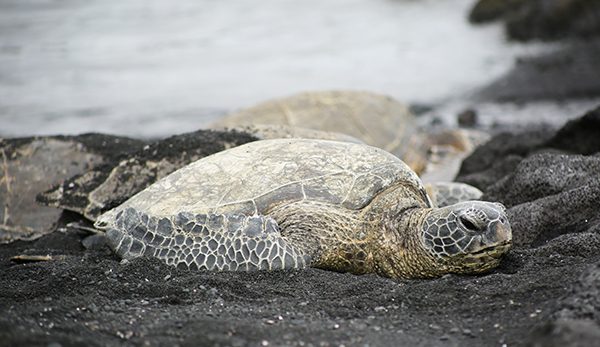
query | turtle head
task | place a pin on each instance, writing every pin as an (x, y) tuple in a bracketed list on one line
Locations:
[(467, 237)]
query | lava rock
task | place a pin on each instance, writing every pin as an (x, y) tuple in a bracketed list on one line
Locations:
[(554, 19), (467, 118), (543, 175), (571, 71), (33, 164), (570, 211), (549, 182), (501, 155), (106, 186), (541, 19), (488, 10), (580, 135), (549, 190)]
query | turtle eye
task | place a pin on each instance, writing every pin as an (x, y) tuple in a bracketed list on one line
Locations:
[(469, 224)]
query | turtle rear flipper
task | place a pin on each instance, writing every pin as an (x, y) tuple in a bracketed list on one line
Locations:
[(205, 241)]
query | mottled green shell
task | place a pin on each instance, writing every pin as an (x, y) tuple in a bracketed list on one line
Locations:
[(253, 178), (376, 119)]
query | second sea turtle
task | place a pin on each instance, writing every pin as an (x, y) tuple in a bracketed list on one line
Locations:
[(375, 119)]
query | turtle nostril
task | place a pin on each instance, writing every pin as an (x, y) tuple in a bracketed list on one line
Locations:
[(468, 224)]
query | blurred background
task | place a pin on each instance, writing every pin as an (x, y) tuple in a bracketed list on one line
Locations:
[(154, 68)]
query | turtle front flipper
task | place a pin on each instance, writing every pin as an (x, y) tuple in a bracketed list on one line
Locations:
[(205, 241), (449, 193)]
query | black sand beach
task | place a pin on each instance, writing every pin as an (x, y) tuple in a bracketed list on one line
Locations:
[(546, 291)]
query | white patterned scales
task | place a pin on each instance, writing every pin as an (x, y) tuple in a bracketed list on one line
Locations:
[(293, 203)]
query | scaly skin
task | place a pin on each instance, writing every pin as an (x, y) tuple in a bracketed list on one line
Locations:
[(333, 238), (388, 236), (383, 238), (397, 248)]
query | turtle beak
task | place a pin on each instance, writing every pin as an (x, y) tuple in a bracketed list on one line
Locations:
[(498, 232), (495, 241), (492, 245)]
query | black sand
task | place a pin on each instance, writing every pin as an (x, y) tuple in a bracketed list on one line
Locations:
[(546, 291)]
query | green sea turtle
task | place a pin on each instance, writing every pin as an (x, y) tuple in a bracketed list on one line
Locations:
[(292, 203), (279, 131), (375, 119)]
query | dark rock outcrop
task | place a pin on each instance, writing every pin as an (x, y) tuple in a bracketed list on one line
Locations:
[(88, 174), (541, 19), (106, 186), (550, 183), (501, 155), (33, 164), (489, 10), (569, 72)]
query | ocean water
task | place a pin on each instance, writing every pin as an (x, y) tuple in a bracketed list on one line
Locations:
[(155, 68)]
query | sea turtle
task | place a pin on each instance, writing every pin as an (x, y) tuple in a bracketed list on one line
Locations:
[(375, 119), (292, 203), (279, 131)]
